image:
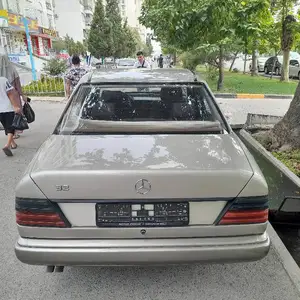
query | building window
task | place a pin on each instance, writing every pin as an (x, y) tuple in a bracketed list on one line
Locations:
[(50, 20)]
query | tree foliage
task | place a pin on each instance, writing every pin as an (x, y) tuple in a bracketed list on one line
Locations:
[(70, 45), (112, 13), (55, 67), (130, 41), (195, 24), (109, 35), (100, 40)]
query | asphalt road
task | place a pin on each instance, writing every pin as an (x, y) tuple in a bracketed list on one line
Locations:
[(263, 280)]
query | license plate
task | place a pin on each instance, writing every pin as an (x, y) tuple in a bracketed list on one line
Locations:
[(142, 214)]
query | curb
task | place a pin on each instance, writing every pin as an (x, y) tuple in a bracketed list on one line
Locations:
[(252, 96), (48, 99), (285, 257)]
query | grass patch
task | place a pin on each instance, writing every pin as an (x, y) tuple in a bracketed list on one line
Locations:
[(291, 159), (246, 84)]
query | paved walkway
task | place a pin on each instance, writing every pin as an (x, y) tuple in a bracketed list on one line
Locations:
[(273, 278)]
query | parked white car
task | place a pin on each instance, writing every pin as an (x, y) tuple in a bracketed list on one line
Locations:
[(294, 69), (260, 64)]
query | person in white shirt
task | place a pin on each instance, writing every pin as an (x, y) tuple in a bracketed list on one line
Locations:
[(9, 105), (141, 62), (8, 70)]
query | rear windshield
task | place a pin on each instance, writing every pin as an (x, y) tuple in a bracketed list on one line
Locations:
[(131, 108)]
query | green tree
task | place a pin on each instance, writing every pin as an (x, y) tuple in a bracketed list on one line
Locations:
[(194, 24), (283, 11), (59, 45), (252, 17), (116, 28), (129, 42), (55, 67), (100, 40)]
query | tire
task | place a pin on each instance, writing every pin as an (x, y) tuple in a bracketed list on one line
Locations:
[(299, 75), (266, 71), (277, 73)]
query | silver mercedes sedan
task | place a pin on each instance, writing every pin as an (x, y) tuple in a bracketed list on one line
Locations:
[(142, 168)]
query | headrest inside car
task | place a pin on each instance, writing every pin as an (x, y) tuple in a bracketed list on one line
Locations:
[(173, 94)]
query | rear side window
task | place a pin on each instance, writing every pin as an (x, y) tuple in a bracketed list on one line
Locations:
[(142, 103)]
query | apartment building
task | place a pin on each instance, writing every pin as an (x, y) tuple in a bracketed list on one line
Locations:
[(131, 10), (40, 15), (74, 18)]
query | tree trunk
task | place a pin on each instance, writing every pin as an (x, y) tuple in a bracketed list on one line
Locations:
[(233, 61), (254, 71), (285, 66), (221, 68), (286, 133), (245, 63)]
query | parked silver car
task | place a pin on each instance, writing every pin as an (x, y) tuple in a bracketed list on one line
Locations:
[(142, 168), (125, 63)]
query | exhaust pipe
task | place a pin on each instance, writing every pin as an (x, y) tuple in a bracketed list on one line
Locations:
[(56, 269), (59, 269), (50, 269)]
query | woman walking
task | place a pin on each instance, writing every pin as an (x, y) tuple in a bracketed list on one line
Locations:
[(8, 71), (9, 105)]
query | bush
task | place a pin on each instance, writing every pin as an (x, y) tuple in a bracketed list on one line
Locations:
[(55, 67), (213, 73), (190, 60), (45, 86)]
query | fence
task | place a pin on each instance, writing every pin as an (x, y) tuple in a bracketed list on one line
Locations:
[(46, 86)]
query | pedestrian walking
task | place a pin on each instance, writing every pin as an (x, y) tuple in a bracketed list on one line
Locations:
[(74, 75), (141, 62), (8, 71), (161, 61), (9, 105)]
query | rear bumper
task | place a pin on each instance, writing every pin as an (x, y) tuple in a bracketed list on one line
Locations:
[(141, 251)]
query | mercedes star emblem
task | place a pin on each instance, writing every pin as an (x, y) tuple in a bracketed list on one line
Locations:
[(143, 187)]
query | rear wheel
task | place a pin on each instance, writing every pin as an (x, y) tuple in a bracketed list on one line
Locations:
[(277, 72)]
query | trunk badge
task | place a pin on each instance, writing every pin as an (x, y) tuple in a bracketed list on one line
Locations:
[(143, 187)]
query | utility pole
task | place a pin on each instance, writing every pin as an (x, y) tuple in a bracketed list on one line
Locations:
[(32, 62)]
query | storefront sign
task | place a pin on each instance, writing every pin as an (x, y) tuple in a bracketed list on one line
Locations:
[(3, 18), (48, 32), (16, 57), (16, 22)]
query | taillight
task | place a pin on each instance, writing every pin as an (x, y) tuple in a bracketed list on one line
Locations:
[(39, 213), (250, 210)]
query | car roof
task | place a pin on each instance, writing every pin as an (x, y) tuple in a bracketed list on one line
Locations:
[(141, 75)]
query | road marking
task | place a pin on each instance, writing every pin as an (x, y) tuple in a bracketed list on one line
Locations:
[(250, 96)]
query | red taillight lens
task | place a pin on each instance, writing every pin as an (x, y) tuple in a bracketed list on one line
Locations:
[(39, 213), (245, 217), (39, 219)]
